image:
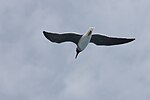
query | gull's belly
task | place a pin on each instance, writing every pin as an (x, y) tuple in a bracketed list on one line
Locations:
[(83, 42)]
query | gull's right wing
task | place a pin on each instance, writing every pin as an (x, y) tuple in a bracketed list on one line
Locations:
[(65, 37)]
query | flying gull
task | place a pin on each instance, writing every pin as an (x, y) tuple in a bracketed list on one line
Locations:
[(83, 40)]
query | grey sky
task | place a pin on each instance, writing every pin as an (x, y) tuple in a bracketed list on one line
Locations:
[(32, 68)]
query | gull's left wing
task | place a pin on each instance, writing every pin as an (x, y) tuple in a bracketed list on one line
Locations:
[(108, 41)]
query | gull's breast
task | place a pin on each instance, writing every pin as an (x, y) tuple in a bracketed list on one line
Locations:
[(84, 41)]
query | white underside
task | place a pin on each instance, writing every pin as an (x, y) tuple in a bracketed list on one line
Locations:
[(84, 41)]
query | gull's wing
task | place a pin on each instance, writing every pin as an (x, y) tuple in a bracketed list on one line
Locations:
[(65, 37), (108, 41)]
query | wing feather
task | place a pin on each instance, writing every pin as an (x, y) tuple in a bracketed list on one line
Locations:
[(108, 41), (65, 37)]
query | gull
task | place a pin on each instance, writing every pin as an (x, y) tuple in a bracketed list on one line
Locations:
[(83, 40)]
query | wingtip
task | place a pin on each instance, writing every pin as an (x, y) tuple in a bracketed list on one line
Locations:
[(44, 32), (132, 39)]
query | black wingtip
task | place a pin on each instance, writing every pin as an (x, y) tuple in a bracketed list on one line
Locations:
[(132, 39), (44, 32)]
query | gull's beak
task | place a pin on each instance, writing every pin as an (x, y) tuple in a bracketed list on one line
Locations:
[(77, 52), (76, 55)]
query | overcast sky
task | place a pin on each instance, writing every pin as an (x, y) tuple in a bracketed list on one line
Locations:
[(32, 68)]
